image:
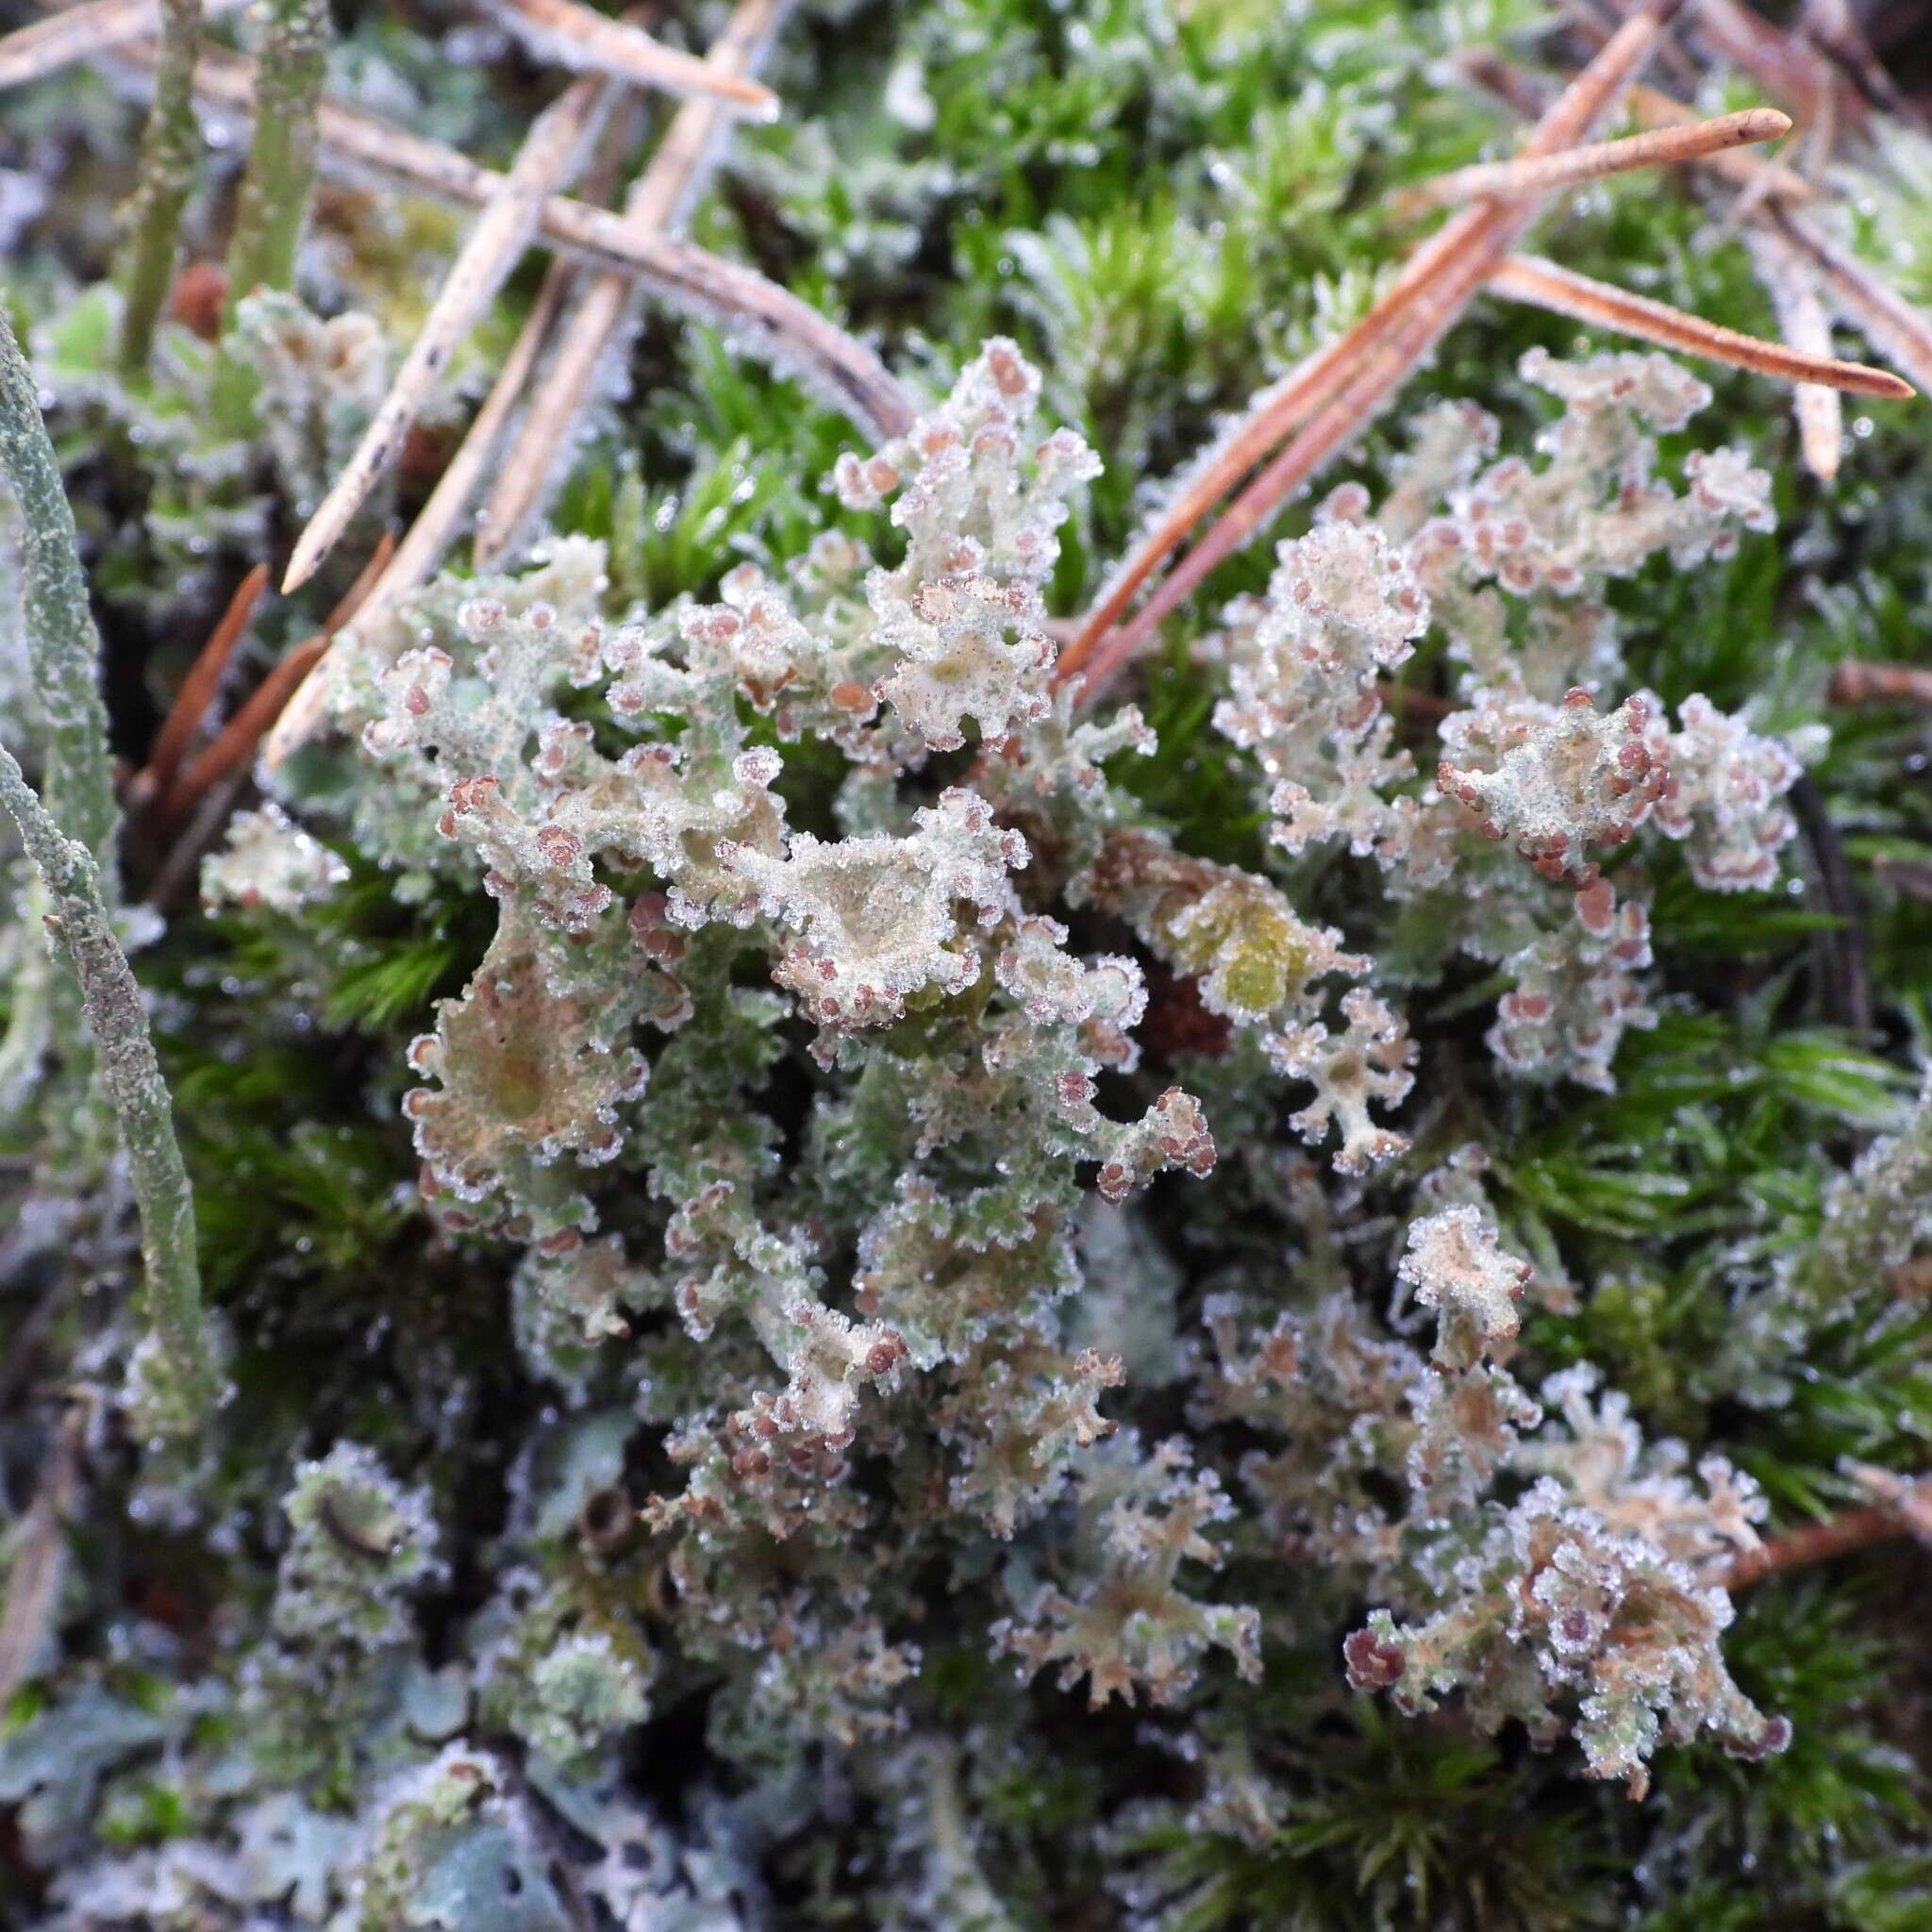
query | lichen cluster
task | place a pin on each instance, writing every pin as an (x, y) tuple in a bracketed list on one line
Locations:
[(855, 1282)]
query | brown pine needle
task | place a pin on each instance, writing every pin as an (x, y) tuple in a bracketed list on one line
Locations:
[(578, 36), (434, 529), (1526, 94), (549, 153), (1529, 278), (1901, 1513), (77, 33), (754, 311), (1857, 682), (1894, 327), (1367, 363), (1657, 147), (655, 205), (1805, 323), (1782, 63), (190, 709), (234, 746), (349, 606), (1654, 107)]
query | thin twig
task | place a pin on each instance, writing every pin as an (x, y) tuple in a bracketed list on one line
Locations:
[(198, 689), (1529, 278), (656, 203), (579, 37), (549, 153), (1911, 879), (174, 881), (1657, 147), (1341, 387), (1846, 979), (78, 33), (1854, 681)]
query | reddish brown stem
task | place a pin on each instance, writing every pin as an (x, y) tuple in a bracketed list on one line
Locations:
[(198, 689), (1836, 1536), (235, 746), (1854, 682)]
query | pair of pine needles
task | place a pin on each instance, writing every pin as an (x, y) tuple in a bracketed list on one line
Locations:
[(1323, 404)]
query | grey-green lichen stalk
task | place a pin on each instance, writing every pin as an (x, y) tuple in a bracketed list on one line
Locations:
[(169, 150), (63, 652), (281, 158), (185, 1381), (62, 638)]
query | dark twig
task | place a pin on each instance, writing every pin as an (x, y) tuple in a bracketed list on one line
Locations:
[(1847, 982)]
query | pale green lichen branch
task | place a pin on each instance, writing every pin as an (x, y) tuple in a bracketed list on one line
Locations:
[(79, 920), (281, 159), (63, 646), (168, 149)]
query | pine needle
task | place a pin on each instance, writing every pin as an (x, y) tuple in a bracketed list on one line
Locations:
[(548, 155), (1903, 332), (1656, 147), (1805, 323), (578, 36), (198, 688), (656, 204), (1529, 278), (754, 311), (79, 33)]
